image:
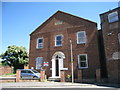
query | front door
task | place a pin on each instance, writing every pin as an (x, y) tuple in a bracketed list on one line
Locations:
[(57, 67), (57, 64)]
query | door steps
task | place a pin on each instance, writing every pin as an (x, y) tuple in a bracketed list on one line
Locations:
[(54, 79)]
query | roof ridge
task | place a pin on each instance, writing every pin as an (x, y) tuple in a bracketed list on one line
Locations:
[(59, 11), (74, 16)]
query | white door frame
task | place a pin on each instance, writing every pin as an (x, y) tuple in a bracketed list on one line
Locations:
[(60, 60)]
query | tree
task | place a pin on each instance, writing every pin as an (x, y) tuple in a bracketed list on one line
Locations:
[(15, 56)]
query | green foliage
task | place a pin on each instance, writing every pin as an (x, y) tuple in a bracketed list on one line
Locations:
[(7, 75), (15, 56), (69, 76)]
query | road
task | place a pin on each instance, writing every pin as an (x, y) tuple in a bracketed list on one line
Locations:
[(48, 85)]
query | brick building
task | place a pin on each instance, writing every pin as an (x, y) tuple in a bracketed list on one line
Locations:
[(50, 46), (110, 25)]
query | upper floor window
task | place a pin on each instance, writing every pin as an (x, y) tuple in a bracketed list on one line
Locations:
[(39, 62), (40, 43), (81, 37), (112, 17), (58, 40), (58, 22), (82, 61)]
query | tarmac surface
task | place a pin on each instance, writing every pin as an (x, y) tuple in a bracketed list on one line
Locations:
[(52, 85)]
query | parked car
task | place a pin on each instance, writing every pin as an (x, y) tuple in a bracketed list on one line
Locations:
[(29, 74)]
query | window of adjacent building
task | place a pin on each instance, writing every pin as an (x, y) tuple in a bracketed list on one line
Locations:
[(39, 62), (58, 40), (119, 38), (82, 61), (58, 22), (40, 43), (81, 37), (112, 17)]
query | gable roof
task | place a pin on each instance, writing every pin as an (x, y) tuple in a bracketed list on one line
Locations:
[(59, 13), (110, 11)]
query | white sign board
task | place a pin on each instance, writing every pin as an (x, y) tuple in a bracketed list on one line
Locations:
[(46, 64)]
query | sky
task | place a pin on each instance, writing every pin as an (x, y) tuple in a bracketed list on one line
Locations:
[(19, 19)]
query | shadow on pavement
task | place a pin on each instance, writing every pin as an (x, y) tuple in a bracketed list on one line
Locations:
[(106, 85)]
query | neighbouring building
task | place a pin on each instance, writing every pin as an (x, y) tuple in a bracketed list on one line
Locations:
[(50, 46), (110, 25)]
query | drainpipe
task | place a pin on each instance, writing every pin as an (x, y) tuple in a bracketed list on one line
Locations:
[(72, 61)]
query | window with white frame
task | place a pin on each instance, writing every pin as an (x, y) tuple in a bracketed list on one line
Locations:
[(58, 40), (40, 43), (81, 37), (112, 17), (39, 62), (82, 61)]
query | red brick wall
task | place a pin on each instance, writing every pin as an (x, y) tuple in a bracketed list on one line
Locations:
[(68, 29), (110, 36), (5, 70)]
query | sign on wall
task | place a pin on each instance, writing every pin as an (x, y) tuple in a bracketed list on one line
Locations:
[(39, 62), (116, 55), (45, 64)]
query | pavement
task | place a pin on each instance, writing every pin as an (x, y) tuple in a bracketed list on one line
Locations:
[(51, 85)]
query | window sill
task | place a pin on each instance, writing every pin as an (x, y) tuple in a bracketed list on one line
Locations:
[(39, 48), (59, 46), (80, 43), (113, 22), (63, 68), (82, 67)]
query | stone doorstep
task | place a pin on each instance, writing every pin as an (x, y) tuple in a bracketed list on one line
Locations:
[(53, 79)]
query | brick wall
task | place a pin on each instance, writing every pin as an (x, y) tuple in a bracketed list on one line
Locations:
[(5, 70), (68, 29), (110, 36)]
